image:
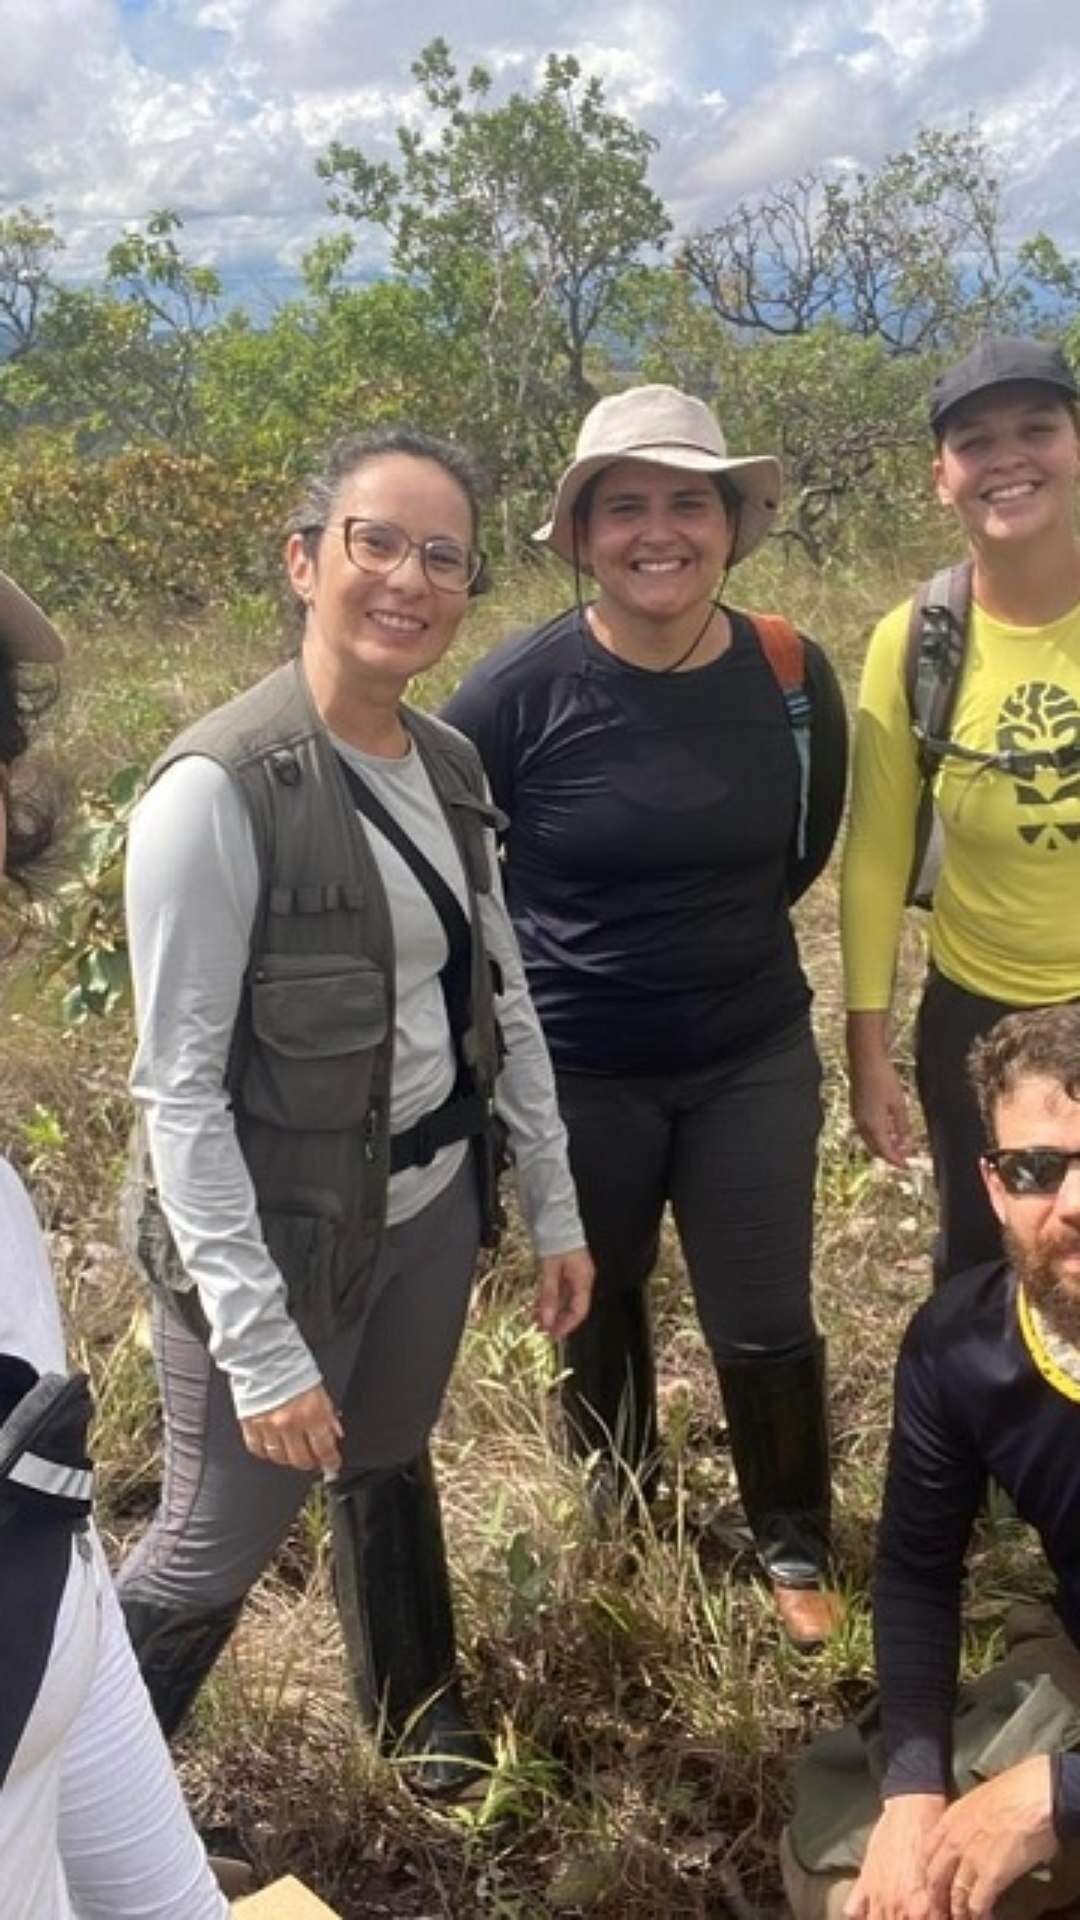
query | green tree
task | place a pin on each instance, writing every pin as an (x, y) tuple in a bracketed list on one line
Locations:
[(145, 525), (121, 362), (339, 359), (846, 417), (29, 245), (521, 221), (912, 254)]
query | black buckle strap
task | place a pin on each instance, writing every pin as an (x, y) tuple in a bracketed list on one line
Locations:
[(457, 1119), (43, 1423), (455, 976)]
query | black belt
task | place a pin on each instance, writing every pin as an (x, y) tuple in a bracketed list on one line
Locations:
[(458, 1118)]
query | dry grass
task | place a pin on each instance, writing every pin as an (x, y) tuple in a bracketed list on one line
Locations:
[(644, 1707)]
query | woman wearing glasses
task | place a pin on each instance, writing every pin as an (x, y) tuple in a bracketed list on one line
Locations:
[(91, 1819), (330, 1003)]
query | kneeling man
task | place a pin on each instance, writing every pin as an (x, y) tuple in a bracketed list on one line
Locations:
[(939, 1805)]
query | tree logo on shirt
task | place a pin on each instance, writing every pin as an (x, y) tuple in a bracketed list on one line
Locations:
[(1041, 720)]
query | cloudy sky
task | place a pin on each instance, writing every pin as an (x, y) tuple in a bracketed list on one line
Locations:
[(218, 108)]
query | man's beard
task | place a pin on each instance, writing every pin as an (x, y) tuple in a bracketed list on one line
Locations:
[(1056, 1296)]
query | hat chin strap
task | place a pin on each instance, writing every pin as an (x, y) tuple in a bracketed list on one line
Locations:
[(735, 517), (577, 565)]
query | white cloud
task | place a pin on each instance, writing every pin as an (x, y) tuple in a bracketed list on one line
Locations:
[(814, 113), (635, 82), (919, 33), (222, 16), (815, 29), (220, 107)]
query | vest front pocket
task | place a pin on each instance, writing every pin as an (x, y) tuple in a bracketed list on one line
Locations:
[(317, 1022)]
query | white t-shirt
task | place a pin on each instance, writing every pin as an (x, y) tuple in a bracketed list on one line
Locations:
[(92, 1824)]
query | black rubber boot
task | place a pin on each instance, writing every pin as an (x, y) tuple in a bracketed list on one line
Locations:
[(175, 1651), (393, 1595), (609, 1398), (778, 1426)]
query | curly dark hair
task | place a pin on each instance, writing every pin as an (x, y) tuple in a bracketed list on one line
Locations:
[(1039, 1040), (26, 694)]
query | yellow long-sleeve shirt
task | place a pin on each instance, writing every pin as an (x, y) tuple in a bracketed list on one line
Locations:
[(1006, 914)]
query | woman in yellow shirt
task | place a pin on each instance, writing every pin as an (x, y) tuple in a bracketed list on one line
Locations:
[(1005, 922)]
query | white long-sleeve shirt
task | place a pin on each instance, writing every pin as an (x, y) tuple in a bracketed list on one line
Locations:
[(192, 895)]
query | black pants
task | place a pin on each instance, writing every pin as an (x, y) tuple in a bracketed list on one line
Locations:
[(734, 1149), (949, 1019)]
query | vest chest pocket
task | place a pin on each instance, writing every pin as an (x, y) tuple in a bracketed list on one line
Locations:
[(317, 1022)]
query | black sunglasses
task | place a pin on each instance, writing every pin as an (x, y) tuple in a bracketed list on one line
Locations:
[(1031, 1169)]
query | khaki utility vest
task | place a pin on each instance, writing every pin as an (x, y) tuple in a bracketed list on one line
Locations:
[(312, 1050)]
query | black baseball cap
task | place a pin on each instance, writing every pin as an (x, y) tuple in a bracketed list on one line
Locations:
[(995, 362)]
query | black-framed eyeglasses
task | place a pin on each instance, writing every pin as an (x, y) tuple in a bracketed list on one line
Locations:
[(1031, 1169), (380, 547)]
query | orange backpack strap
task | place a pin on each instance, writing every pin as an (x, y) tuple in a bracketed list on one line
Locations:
[(782, 645), (785, 650)]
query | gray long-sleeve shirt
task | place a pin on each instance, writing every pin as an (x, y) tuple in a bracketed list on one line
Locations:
[(192, 895)]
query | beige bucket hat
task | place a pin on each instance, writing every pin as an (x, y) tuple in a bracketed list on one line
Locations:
[(666, 428), (29, 635)]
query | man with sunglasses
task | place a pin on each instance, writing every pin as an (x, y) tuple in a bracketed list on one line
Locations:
[(981, 1790)]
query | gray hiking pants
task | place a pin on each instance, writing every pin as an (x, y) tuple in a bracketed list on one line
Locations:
[(223, 1513)]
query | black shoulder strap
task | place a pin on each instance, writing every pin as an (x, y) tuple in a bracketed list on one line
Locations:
[(933, 664), (456, 974)]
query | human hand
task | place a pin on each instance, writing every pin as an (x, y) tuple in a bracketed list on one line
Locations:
[(879, 1109), (891, 1885), (303, 1432), (565, 1291), (990, 1838)]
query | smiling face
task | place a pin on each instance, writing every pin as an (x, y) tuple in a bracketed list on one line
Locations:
[(1008, 463), (363, 626), (657, 540), (1042, 1231)]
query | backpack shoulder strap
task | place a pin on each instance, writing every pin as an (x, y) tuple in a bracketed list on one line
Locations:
[(934, 658), (785, 650), (782, 645), (933, 664)]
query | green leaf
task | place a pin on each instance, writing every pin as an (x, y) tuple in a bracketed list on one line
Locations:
[(125, 786)]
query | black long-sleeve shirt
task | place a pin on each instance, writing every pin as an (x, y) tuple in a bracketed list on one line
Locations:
[(650, 859), (969, 1403)]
